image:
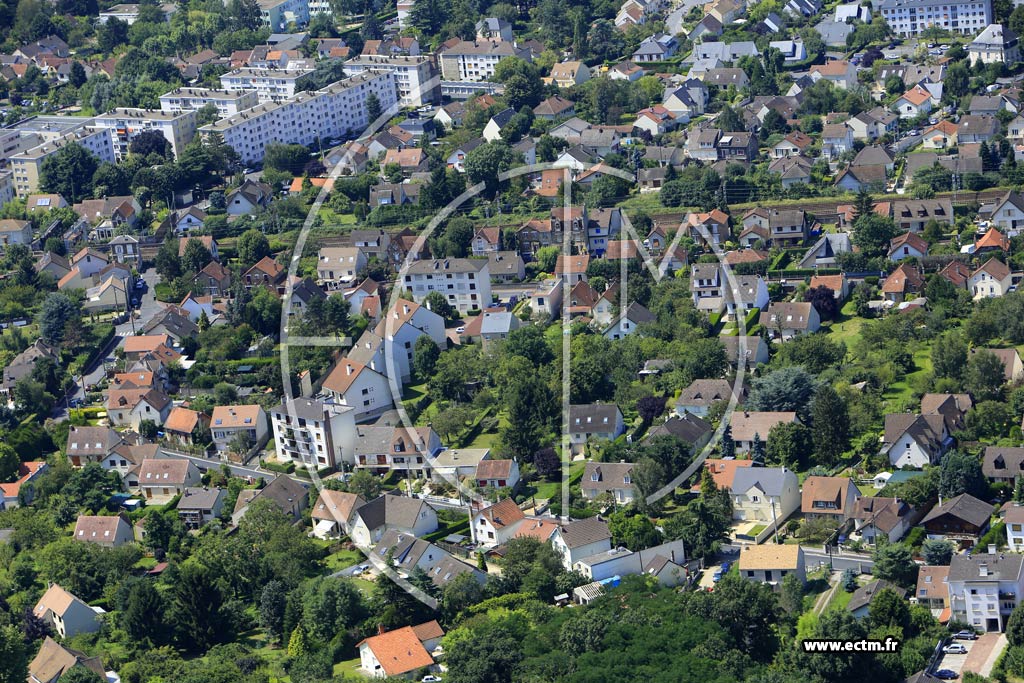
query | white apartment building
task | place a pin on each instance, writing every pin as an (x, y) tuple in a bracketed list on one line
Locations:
[(277, 14), (6, 187), (333, 112), (985, 588), (27, 165), (465, 283), (911, 17), (228, 102), (271, 85), (308, 430), (127, 124), (1013, 515), (415, 77), (475, 60)]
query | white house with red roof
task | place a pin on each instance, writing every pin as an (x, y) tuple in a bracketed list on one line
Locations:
[(355, 385)]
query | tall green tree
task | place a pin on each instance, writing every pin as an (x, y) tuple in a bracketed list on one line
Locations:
[(56, 313), (830, 422), (143, 614), (198, 609), (985, 375), (13, 656), (252, 246), (69, 172)]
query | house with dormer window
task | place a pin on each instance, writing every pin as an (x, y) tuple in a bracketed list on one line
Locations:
[(600, 421), (611, 478)]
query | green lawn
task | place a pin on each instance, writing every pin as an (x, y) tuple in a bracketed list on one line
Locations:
[(898, 393), (343, 558), (348, 668), (840, 599), (847, 325)]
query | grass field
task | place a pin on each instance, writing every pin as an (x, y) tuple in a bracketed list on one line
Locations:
[(343, 558)]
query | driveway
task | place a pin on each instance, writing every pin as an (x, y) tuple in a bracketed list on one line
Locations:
[(984, 653)]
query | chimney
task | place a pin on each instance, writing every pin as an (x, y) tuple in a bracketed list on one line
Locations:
[(381, 630), (983, 569), (349, 369), (991, 548)]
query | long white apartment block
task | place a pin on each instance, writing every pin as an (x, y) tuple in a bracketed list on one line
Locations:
[(308, 118), (415, 77), (228, 102), (270, 85), (126, 124), (911, 17), (27, 165)]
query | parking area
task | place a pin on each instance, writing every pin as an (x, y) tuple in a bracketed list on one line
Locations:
[(979, 658), (955, 662)]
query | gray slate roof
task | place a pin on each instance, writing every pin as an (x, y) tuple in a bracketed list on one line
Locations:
[(771, 480)]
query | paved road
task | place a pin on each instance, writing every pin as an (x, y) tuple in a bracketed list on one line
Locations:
[(148, 307), (236, 470), (815, 557)]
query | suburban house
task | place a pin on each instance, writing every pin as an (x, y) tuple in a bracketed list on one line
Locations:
[(161, 479), (889, 518), (666, 561), (785, 320), (332, 512), (356, 386), (199, 506), (832, 497), (496, 524), (1003, 464), (723, 471), (962, 519), (860, 601), (598, 421), (992, 279), (581, 538), (290, 497), (497, 474), (912, 440), (907, 245), (398, 653), (238, 428), (107, 531), (771, 563), (698, 398), (750, 425), (608, 478), (391, 512), (764, 494), (54, 660), (66, 614)]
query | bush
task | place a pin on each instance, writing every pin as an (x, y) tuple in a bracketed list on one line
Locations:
[(280, 467)]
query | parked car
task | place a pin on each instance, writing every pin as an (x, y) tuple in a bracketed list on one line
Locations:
[(955, 649), (965, 635), (431, 679), (946, 674), (722, 571)]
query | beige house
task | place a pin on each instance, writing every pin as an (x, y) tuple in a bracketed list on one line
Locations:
[(65, 613), (834, 497), (764, 494), (107, 531), (771, 563), (163, 478)]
